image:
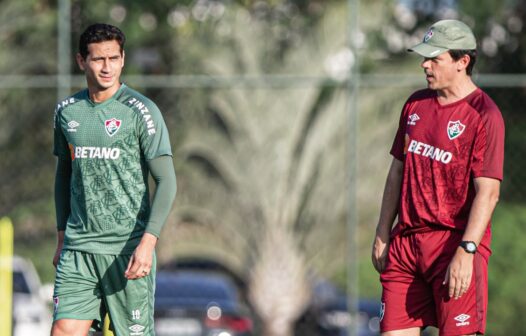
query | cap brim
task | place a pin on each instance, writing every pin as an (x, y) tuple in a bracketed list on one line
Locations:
[(427, 50)]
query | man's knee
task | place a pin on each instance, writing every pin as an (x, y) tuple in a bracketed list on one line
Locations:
[(70, 327), (403, 332)]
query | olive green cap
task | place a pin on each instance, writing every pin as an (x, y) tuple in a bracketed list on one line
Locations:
[(445, 35)]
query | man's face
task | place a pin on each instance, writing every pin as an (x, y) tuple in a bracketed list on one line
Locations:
[(441, 71), (103, 65)]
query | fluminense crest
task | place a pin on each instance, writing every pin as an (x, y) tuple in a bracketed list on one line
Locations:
[(112, 126), (455, 129)]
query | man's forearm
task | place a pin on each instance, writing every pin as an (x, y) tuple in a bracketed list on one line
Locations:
[(60, 236), (62, 192), (482, 208), (391, 197), (163, 173)]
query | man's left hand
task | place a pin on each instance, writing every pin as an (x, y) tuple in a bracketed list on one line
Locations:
[(140, 263), (459, 273)]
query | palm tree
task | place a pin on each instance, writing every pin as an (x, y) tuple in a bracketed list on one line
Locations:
[(263, 185)]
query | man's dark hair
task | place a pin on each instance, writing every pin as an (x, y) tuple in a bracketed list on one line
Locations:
[(100, 32), (457, 54)]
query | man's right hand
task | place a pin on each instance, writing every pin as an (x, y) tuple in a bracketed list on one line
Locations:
[(57, 256), (380, 249)]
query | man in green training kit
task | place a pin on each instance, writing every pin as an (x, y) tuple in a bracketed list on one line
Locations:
[(108, 139)]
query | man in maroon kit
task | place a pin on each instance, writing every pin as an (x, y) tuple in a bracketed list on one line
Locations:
[(443, 184)]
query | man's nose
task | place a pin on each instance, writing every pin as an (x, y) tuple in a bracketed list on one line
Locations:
[(425, 63), (106, 65)]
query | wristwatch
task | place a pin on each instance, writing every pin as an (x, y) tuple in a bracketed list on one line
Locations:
[(469, 246)]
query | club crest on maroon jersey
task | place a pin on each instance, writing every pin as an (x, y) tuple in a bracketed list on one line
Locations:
[(455, 129), (112, 126)]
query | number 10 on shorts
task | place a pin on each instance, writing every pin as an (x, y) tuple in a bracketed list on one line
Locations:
[(136, 314)]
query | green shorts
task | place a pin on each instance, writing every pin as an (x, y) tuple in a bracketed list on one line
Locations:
[(87, 286)]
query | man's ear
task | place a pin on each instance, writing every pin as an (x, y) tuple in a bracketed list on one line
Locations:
[(123, 55), (80, 61), (463, 62)]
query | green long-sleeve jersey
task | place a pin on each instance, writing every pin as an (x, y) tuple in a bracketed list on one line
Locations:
[(109, 145)]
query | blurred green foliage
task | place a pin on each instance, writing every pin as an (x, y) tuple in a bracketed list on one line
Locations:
[(246, 123), (506, 271)]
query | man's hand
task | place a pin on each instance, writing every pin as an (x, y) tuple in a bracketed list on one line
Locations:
[(460, 269), (459, 273), (56, 257), (141, 260), (380, 249)]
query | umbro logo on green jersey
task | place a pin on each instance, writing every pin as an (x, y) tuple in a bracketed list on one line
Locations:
[(73, 126), (112, 126)]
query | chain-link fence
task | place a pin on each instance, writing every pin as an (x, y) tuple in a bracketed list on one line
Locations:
[(275, 110)]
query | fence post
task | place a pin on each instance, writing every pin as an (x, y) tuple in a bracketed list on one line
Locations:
[(6, 276)]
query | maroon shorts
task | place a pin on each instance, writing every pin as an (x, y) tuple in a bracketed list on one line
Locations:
[(413, 294)]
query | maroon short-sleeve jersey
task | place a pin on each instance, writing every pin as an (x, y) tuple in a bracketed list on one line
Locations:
[(443, 147)]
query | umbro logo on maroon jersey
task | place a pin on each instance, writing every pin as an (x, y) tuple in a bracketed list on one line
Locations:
[(112, 126), (455, 129), (462, 319), (413, 118)]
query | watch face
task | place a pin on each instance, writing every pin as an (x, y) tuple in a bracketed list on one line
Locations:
[(471, 247)]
